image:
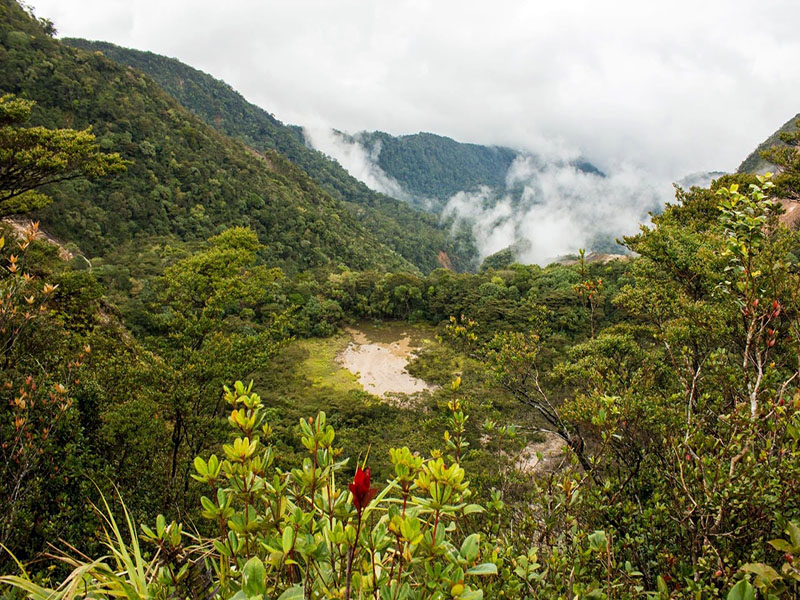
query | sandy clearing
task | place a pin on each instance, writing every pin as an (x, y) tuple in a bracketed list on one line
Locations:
[(381, 366), (551, 451)]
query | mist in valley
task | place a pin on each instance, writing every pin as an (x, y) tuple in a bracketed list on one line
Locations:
[(549, 206)]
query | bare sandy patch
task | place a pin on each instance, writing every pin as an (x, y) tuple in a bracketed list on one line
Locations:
[(381, 366), (546, 456)]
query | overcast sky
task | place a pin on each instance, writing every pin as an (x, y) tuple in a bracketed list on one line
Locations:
[(671, 87)]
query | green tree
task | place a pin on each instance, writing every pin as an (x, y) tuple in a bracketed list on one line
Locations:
[(787, 158), (212, 319), (32, 157)]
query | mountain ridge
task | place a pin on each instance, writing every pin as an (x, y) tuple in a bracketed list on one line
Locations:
[(428, 169), (418, 237), (755, 163)]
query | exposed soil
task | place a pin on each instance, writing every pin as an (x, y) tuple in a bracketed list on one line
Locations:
[(551, 451), (792, 215), (593, 257), (20, 225), (444, 260), (380, 364)]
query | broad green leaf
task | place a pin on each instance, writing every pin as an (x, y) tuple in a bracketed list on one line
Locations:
[(781, 545), (794, 533), (483, 569), (470, 547), (473, 508), (255, 578), (293, 593), (288, 539), (742, 591), (763, 571), (663, 590)]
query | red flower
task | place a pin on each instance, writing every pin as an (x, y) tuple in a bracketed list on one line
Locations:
[(362, 493)]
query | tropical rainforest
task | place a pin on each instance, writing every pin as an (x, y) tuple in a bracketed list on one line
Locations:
[(180, 277)]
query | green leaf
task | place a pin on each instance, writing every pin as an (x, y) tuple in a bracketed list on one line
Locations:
[(221, 548), (149, 532), (742, 591), (763, 571), (288, 539), (161, 525), (208, 504), (470, 547), (255, 578), (483, 569), (781, 546), (598, 541), (293, 593), (794, 533), (663, 590), (473, 508)]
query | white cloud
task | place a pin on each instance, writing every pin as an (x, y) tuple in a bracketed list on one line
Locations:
[(359, 161), (675, 87), (559, 209)]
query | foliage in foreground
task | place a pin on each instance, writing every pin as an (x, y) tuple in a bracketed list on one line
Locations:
[(300, 533)]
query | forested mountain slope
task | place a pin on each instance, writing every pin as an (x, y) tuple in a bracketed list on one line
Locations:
[(186, 181), (437, 167), (416, 236), (755, 163)]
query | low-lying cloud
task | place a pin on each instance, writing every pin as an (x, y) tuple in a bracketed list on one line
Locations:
[(361, 162), (551, 210), (548, 208)]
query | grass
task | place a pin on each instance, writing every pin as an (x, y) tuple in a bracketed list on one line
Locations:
[(320, 366)]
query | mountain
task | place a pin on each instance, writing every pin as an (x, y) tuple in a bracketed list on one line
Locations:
[(434, 166), (416, 236), (425, 168), (754, 163), (487, 195), (186, 180)]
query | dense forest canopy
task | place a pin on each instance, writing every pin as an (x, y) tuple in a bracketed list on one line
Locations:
[(186, 181), (416, 236), (174, 422)]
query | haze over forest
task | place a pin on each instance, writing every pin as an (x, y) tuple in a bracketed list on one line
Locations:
[(646, 104)]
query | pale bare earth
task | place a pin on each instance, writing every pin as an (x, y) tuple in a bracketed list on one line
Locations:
[(552, 451), (594, 257), (792, 215), (19, 226), (381, 366)]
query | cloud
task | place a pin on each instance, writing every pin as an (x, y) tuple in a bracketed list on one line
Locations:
[(672, 87), (359, 161), (556, 208), (547, 209)]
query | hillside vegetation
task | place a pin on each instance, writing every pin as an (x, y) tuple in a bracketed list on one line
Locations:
[(185, 181), (416, 236), (175, 421), (755, 162), (431, 168)]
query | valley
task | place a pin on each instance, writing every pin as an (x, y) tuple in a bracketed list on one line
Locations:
[(246, 360)]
